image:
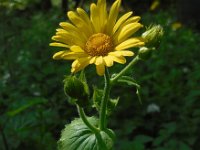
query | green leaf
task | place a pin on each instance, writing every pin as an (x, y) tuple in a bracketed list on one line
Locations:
[(77, 136), (132, 82), (97, 97)]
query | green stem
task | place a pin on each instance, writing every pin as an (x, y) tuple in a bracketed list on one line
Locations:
[(133, 62), (85, 120), (107, 87)]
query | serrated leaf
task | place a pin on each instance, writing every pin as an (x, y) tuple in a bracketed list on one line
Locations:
[(77, 136), (132, 82)]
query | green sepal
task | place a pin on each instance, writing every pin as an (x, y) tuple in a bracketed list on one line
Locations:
[(97, 98), (77, 136), (132, 82), (71, 100), (77, 90)]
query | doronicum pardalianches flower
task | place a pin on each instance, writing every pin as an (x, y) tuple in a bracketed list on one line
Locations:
[(101, 38)]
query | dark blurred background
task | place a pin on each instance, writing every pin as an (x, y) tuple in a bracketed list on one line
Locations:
[(34, 109)]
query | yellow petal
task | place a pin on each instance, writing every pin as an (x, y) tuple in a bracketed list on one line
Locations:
[(92, 60), (121, 20), (73, 55), (127, 31), (60, 30), (59, 54), (59, 45), (62, 40), (79, 23), (80, 64), (99, 60), (119, 59), (132, 42), (108, 61), (69, 39), (100, 69), (101, 5), (72, 29), (114, 11), (122, 53), (131, 20), (85, 17), (94, 17), (76, 48)]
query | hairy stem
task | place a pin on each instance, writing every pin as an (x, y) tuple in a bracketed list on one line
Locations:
[(133, 62), (85, 120), (102, 123)]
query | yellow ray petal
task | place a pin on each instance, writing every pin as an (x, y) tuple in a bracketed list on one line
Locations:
[(80, 64), (59, 45), (73, 55), (114, 11), (121, 20), (99, 60), (131, 20), (72, 29), (101, 5), (76, 48), (74, 38), (100, 69), (126, 32), (94, 17), (132, 42), (85, 17), (62, 40), (59, 54), (60, 30), (92, 60), (122, 53), (79, 23), (119, 59), (108, 61)]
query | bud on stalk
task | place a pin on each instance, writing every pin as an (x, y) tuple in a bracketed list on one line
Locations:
[(77, 89), (152, 36)]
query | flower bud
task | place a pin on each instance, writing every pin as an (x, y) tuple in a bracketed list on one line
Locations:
[(153, 35), (145, 53), (77, 89)]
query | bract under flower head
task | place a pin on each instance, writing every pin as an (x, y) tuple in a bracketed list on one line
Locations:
[(100, 38)]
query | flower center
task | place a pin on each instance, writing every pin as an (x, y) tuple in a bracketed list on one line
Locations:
[(99, 45)]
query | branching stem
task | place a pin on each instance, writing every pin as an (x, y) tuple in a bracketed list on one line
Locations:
[(133, 62)]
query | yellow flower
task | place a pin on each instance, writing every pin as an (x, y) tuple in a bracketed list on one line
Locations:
[(99, 39)]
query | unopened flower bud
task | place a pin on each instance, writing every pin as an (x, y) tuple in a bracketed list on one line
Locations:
[(153, 35), (144, 53), (77, 89)]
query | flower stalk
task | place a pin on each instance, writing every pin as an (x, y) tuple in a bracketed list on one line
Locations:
[(105, 98), (85, 120), (123, 71)]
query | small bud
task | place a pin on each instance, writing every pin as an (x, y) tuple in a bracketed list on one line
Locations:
[(153, 35), (77, 89), (145, 53)]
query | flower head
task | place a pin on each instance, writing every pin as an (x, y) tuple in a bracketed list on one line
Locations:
[(100, 38)]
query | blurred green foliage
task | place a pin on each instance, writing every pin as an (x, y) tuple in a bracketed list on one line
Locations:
[(34, 109)]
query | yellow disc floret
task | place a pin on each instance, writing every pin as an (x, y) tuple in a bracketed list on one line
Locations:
[(99, 45)]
